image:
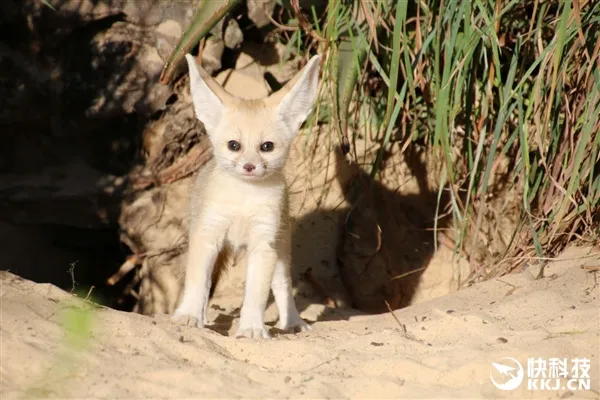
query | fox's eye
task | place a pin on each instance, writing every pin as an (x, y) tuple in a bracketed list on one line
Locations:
[(266, 146), (233, 145)]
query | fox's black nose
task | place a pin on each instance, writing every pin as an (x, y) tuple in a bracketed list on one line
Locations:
[(248, 167)]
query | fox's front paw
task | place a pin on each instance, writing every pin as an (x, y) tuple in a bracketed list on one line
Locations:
[(188, 317), (294, 325), (187, 320), (252, 331)]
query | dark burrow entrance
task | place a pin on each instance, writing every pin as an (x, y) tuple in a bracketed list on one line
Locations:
[(61, 152)]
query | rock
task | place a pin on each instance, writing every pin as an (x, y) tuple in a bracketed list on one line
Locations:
[(248, 66), (259, 11), (212, 53), (232, 35), (242, 85), (132, 88), (76, 11), (170, 30), (139, 12), (273, 57), (154, 12), (246, 80), (168, 34)]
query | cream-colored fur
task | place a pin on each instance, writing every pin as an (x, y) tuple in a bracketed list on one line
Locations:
[(240, 198)]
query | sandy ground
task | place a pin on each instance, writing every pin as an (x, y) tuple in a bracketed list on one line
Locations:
[(57, 345)]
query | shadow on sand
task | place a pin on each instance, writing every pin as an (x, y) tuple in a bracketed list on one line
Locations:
[(385, 242)]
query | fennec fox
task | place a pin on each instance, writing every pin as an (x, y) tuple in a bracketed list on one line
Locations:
[(240, 197)]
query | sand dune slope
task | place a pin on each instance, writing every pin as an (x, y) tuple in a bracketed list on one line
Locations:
[(54, 345)]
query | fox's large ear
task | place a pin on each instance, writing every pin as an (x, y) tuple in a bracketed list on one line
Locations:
[(297, 97), (208, 96)]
